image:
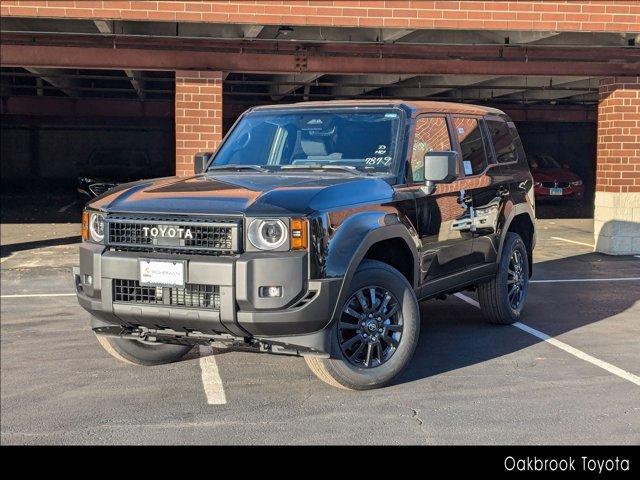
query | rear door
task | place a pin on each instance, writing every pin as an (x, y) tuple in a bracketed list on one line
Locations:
[(442, 216), (496, 188), (479, 191)]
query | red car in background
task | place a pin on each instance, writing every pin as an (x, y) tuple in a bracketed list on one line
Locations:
[(552, 181)]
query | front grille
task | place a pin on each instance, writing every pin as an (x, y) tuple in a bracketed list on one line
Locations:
[(193, 295), (555, 185), (173, 235)]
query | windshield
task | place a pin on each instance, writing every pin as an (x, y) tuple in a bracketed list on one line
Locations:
[(363, 140), (543, 161)]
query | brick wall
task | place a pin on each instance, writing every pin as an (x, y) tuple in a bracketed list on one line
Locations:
[(618, 158), (616, 223), (198, 116), (571, 15)]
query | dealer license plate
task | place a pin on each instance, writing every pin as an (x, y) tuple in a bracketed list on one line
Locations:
[(555, 191), (162, 273)]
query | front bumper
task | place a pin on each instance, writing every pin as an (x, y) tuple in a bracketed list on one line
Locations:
[(300, 317)]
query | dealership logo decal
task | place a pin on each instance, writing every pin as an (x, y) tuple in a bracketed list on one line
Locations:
[(166, 231)]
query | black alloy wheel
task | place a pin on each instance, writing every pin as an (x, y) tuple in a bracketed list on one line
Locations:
[(370, 327)]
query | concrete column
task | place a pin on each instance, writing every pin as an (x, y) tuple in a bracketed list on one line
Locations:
[(617, 203), (198, 116)]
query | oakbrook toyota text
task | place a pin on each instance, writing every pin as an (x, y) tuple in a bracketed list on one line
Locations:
[(314, 230), (569, 464)]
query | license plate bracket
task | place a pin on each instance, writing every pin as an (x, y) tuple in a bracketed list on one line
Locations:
[(162, 273), (555, 191)]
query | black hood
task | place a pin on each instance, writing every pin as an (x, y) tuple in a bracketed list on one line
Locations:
[(290, 193)]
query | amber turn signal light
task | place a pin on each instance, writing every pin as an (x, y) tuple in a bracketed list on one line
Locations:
[(85, 225), (299, 235)]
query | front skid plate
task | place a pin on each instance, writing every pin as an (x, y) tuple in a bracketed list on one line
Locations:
[(198, 338)]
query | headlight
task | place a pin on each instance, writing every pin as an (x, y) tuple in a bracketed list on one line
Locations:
[(267, 233), (93, 226), (577, 183)]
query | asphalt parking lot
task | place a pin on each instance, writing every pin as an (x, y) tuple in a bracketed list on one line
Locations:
[(469, 382)]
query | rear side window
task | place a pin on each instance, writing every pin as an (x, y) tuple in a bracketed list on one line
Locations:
[(474, 156), (431, 135), (502, 141)]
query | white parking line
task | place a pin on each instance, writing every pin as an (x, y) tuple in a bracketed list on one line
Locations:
[(624, 279), (563, 346), (32, 295), (64, 209), (572, 241), (7, 258), (211, 381)]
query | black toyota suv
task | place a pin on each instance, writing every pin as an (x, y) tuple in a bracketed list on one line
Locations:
[(314, 230)]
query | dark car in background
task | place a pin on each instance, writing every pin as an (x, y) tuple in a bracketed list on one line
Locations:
[(553, 181), (107, 167)]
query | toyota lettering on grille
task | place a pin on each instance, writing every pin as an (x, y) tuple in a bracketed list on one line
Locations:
[(166, 231)]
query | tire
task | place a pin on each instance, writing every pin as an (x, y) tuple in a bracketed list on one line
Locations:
[(494, 296), (136, 352), (402, 328)]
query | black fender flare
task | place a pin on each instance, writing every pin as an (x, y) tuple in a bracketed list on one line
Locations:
[(364, 230), (517, 209)]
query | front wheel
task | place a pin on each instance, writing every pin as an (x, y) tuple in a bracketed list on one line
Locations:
[(377, 332), (137, 352), (502, 299)]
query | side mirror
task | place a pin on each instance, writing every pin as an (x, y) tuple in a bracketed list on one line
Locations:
[(200, 161), (440, 167)]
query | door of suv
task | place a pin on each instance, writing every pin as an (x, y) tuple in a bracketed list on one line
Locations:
[(481, 193), (442, 216), (506, 184)]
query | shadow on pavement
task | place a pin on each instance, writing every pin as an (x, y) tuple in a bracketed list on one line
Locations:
[(7, 250), (454, 334)]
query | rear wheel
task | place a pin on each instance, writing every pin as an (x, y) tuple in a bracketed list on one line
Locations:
[(137, 352), (502, 299), (377, 332)]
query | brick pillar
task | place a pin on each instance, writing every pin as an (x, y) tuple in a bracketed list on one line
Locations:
[(617, 204), (198, 116)]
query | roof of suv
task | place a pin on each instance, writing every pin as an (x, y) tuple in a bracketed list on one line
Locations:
[(421, 106)]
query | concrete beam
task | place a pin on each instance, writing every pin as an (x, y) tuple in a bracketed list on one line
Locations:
[(394, 34), (531, 81), (252, 31), (54, 77), (134, 77), (303, 79)]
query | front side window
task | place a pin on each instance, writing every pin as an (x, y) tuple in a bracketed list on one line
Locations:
[(431, 135), (502, 141), (474, 156), (364, 140)]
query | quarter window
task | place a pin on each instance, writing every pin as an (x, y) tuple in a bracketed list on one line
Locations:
[(502, 142), (432, 135), (474, 156)]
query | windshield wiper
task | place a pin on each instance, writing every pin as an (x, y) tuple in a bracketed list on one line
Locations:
[(257, 168), (343, 168)]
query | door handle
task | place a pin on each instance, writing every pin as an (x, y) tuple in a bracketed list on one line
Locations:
[(464, 199)]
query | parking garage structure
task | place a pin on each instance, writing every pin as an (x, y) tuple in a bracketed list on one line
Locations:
[(170, 78)]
